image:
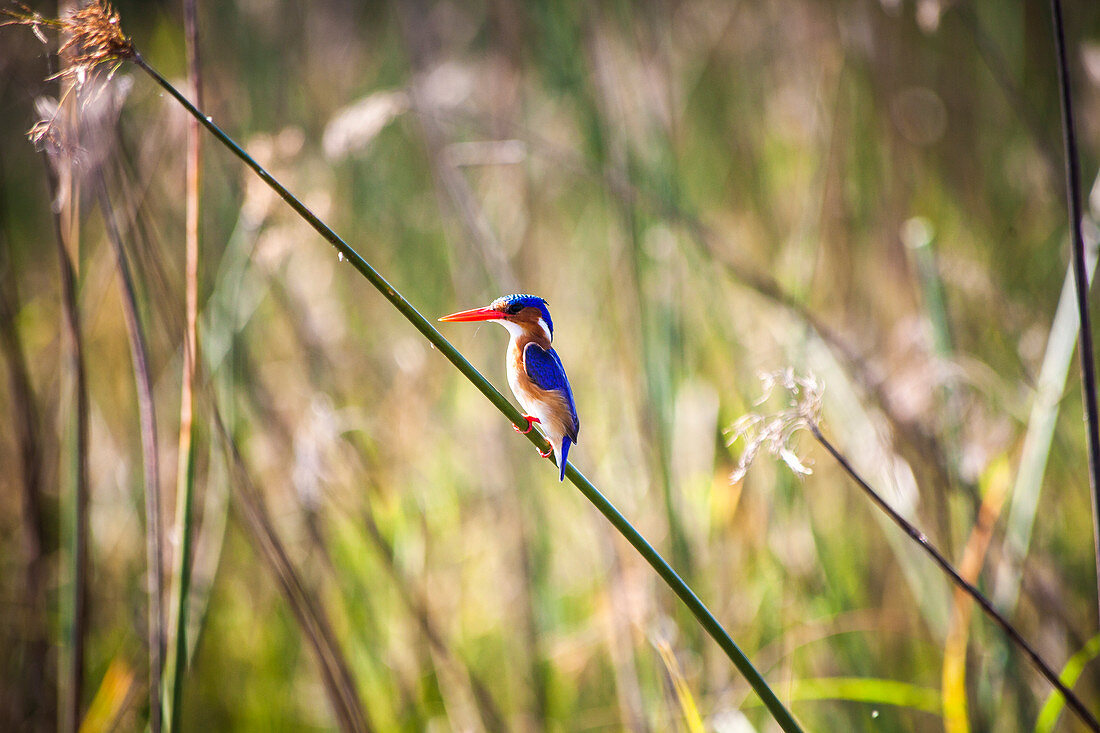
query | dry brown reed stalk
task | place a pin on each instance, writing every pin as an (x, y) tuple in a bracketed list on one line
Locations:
[(92, 38), (185, 481)]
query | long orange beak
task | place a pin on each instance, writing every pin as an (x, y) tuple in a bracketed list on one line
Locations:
[(474, 314)]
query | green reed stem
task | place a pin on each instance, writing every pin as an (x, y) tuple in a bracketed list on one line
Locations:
[(705, 618), (75, 563)]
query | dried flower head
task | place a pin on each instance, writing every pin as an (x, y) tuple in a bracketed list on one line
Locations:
[(775, 432), (93, 37), (44, 136), (96, 37)]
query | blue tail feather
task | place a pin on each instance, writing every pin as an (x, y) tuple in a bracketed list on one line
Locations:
[(565, 443)]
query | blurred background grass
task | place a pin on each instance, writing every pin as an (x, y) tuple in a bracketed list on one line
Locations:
[(868, 191)]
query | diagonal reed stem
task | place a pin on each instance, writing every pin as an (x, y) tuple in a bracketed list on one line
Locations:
[(702, 614), (1080, 273), (1044, 669)]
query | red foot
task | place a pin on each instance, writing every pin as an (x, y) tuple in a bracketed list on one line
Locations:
[(530, 423), (547, 453)]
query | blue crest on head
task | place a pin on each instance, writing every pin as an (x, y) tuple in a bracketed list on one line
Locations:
[(519, 301)]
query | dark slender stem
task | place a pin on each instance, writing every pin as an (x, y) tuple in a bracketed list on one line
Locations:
[(1080, 273), (1071, 699), (702, 614), (148, 419)]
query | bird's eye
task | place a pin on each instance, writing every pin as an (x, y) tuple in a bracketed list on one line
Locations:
[(513, 309)]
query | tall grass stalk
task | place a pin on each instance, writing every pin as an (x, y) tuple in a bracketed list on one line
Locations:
[(917, 536), (1080, 274), (185, 482), (74, 603), (1071, 672), (702, 614), (919, 238), (74, 608), (64, 187), (1045, 406), (150, 462)]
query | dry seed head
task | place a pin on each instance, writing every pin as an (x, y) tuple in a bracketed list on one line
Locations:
[(43, 135), (775, 432), (94, 37)]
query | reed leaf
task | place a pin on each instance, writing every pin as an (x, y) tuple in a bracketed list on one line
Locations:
[(150, 461)]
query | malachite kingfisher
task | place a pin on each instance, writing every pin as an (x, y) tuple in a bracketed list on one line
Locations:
[(535, 373)]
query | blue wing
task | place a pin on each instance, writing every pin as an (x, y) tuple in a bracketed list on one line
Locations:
[(544, 368)]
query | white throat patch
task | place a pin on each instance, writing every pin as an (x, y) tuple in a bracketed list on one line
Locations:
[(514, 329), (545, 329)]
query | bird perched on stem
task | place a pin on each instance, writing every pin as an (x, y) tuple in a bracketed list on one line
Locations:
[(535, 373)]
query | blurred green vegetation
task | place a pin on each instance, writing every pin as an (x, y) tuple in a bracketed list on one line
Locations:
[(702, 191)]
